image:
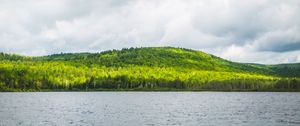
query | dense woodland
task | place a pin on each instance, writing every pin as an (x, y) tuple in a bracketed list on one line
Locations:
[(151, 68)]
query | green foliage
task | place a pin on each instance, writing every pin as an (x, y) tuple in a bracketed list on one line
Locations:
[(13, 57), (287, 70), (139, 68)]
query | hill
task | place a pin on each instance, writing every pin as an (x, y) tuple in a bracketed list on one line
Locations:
[(150, 68)]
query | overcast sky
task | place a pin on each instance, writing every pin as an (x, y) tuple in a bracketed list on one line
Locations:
[(259, 31)]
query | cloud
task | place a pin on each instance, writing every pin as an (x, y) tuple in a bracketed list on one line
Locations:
[(278, 41), (246, 54), (246, 31)]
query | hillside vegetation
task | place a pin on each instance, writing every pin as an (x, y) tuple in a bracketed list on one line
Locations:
[(151, 68)]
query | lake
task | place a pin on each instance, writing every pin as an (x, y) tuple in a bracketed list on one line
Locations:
[(150, 108)]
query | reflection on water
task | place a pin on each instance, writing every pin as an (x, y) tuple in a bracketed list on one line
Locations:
[(150, 108)]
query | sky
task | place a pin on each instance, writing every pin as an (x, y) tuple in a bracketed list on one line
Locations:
[(256, 31)]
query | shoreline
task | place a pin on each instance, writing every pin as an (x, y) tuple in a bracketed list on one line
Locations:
[(154, 90)]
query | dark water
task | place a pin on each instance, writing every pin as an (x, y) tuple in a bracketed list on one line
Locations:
[(150, 108)]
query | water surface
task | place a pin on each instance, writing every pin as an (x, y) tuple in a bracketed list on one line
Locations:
[(150, 108)]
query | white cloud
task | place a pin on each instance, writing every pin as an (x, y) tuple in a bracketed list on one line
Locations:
[(262, 31), (247, 54)]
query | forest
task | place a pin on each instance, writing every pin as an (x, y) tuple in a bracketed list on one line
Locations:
[(142, 69)]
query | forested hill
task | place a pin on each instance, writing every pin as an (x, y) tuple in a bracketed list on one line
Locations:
[(162, 57), (141, 68)]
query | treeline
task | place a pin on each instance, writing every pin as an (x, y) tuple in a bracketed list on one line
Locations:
[(68, 75), (13, 57)]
